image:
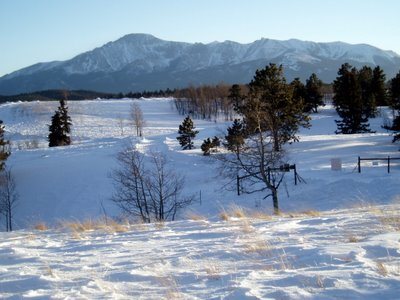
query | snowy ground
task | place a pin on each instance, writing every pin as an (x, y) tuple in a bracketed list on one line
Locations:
[(346, 246)]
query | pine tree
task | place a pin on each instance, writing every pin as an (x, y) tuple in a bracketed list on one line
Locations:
[(299, 89), (235, 137), (395, 92), (4, 147), (216, 143), (395, 105), (348, 101), (187, 134), (60, 127), (314, 95), (206, 146), (365, 77), (379, 86), (235, 96), (271, 107)]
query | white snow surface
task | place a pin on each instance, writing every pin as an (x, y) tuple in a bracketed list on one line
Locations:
[(345, 246)]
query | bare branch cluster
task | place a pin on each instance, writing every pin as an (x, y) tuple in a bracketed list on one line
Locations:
[(146, 188)]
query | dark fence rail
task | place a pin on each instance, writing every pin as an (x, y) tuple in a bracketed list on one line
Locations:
[(388, 159)]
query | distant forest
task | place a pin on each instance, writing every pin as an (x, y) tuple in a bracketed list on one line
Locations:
[(49, 95), (220, 90)]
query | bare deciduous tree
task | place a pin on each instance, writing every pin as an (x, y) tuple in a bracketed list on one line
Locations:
[(8, 197), (137, 119), (256, 165), (146, 188), (121, 124)]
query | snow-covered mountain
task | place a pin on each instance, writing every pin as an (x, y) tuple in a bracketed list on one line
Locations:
[(139, 61)]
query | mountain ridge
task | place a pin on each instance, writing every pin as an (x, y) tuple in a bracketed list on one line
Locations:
[(136, 62)]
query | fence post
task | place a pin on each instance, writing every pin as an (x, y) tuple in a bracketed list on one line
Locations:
[(388, 164), (359, 165)]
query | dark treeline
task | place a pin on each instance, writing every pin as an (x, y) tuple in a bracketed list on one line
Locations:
[(56, 95), (148, 94)]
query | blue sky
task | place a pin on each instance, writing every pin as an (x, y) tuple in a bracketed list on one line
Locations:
[(33, 31)]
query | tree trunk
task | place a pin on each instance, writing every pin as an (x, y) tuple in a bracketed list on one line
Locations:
[(275, 200)]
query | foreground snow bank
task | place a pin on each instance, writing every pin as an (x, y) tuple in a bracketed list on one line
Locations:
[(341, 254)]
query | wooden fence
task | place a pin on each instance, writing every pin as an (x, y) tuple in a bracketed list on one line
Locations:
[(388, 159)]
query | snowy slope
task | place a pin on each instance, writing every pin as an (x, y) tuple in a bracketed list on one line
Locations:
[(344, 246), (73, 182)]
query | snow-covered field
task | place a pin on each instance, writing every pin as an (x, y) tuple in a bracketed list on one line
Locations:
[(338, 238)]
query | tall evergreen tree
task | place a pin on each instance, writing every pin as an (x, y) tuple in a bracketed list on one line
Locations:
[(4, 147), (379, 86), (271, 107), (395, 104), (60, 127), (187, 134), (235, 96), (235, 137), (368, 101), (314, 95), (299, 91), (395, 92), (348, 102)]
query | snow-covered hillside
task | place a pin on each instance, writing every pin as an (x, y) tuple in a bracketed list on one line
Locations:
[(338, 236), (73, 182)]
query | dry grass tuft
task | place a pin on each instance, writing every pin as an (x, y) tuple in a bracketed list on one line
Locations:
[(224, 216), (196, 217), (171, 287), (392, 221), (381, 268), (159, 225), (41, 226), (213, 271), (311, 213), (113, 226), (246, 226), (238, 212), (80, 226), (260, 247), (319, 280), (368, 206), (353, 239), (234, 211), (260, 216), (301, 214), (106, 225)]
